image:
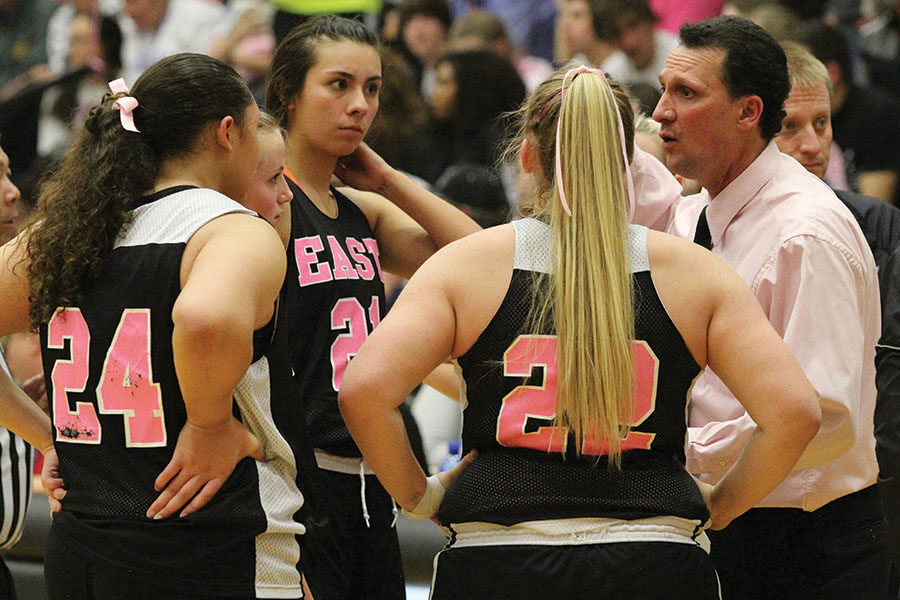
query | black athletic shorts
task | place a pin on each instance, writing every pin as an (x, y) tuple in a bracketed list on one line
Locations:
[(646, 570), (74, 574), (369, 552)]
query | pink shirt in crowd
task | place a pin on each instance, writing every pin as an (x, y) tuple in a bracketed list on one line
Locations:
[(807, 262), (672, 13)]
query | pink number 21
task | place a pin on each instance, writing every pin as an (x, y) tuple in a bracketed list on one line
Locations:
[(348, 316), (126, 384)]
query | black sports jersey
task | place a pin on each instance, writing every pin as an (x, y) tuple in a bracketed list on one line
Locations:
[(336, 296), (521, 473), (117, 409)]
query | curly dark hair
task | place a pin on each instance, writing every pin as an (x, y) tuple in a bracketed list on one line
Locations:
[(85, 203), (754, 64), (487, 87), (403, 113), (296, 54)]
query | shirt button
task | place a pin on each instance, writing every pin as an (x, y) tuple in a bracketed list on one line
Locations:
[(723, 463)]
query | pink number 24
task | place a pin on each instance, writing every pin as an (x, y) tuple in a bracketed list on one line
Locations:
[(126, 384)]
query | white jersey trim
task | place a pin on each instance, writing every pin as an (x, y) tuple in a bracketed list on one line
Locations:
[(277, 549), (575, 532), (173, 219), (533, 243)]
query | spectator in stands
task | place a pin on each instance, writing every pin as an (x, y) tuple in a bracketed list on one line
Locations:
[(529, 22), (481, 29), (291, 13), (576, 35), (153, 29), (806, 136), (865, 121), (641, 48), (59, 29), (93, 59), (23, 46), (424, 25), (401, 132), (23, 69), (249, 44), (674, 13), (879, 44), (776, 18), (473, 90)]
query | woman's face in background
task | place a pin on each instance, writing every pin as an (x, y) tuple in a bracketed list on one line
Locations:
[(443, 95)]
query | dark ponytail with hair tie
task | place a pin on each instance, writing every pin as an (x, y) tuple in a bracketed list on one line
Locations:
[(85, 203)]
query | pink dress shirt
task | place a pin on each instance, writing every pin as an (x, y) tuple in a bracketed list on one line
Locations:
[(807, 262)]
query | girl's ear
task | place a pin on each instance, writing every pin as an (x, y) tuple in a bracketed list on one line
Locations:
[(224, 130)]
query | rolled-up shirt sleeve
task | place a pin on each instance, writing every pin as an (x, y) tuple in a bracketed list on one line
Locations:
[(656, 192)]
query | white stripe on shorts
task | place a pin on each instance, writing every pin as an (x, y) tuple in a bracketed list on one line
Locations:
[(572, 532)]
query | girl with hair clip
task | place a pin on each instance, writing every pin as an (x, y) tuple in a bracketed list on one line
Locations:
[(323, 88), (578, 337), (154, 293)]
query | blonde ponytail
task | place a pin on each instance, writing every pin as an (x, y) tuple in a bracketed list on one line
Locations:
[(590, 297)]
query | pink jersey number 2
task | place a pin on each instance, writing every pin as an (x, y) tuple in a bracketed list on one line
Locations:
[(126, 384), (527, 412)]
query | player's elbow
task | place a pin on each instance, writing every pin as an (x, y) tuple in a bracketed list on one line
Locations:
[(356, 387), (797, 423), (835, 436), (210, 327), (806, 418)]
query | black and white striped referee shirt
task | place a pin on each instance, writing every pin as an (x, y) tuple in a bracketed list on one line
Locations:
[(15, 482)]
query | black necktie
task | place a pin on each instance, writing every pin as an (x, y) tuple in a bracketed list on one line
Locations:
[(702, 235)]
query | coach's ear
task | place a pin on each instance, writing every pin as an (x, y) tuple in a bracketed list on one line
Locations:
[(751, 110)]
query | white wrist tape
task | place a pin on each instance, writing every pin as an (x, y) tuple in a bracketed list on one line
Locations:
[(430, 502)]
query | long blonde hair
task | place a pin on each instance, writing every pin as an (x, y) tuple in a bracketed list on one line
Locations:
[(590, 297)]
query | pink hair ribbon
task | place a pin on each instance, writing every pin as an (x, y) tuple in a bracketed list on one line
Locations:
[(126, 104), (559, 182)]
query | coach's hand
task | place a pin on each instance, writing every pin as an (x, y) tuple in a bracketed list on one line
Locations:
[(203, 460)]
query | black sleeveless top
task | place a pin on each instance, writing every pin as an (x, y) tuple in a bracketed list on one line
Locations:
[(335, 299), (117, 409), (523, 472)]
